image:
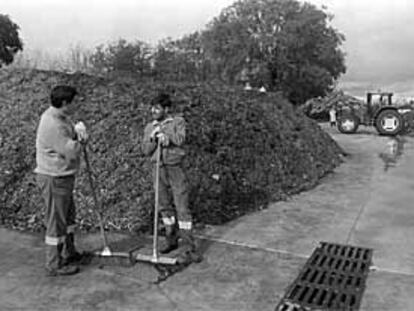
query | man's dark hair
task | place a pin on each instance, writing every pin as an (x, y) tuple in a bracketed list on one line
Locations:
[(162, 99), (62, 93)]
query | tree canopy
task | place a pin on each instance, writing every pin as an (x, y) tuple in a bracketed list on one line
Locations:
[(10, 42), (284, 44), (122, 56)]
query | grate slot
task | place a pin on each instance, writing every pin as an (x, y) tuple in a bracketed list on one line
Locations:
[(352, 301), (314, 276), (338, 264), (303, 293), (332, 299), (358, 253), (322, 278), (331, 279), (294, 292), (349, 281), (358, 267), (347, 301), (351, 252), (312, 296), (322, 261), (315, 259), (305, 275), (363, 268), (342, 301), (358, 282), (321, 298), (331, 262), (326, 247), (341, 265), (340, 280), (344, 251), (366, 254), (346, 265), (354, 267)]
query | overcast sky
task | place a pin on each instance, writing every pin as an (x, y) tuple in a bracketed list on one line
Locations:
[(379, 36)]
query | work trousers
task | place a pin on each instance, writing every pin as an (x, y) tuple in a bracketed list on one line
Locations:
[(173, 196), (60, 215)]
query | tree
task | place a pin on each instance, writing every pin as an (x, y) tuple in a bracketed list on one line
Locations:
[(181, 59), (122, 56), (227, 44), (288, 43), (10, 42), (166, 60)]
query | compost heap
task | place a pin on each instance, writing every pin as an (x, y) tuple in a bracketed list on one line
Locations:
[(245, 149), (318, 108)]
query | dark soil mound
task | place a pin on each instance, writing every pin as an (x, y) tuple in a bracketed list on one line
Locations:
[(244, 148)]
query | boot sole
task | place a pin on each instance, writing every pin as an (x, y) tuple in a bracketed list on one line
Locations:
[(169, 249), (60, 273)]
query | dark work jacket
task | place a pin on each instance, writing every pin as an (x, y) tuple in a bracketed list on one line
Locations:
[(174, 129)]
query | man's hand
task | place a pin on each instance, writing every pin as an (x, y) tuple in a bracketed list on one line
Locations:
[(163, 139), (154, 132), (81, 132)]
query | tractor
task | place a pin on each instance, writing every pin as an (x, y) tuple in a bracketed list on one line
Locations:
[(378, 111)]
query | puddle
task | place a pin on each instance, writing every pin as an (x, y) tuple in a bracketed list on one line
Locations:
[(394, 148)]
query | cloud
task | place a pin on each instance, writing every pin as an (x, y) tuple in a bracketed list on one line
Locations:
[(379, 43)]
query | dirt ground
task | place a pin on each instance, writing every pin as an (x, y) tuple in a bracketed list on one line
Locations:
[(249, 263)]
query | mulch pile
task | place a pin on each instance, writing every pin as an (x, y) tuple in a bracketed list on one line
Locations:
[(245, 149), (318, 108)]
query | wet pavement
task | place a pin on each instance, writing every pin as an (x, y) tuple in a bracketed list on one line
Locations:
[(250, 262)]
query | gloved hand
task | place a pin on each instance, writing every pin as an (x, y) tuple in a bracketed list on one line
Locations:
[(163, 139), (154, 132), (81, 132)]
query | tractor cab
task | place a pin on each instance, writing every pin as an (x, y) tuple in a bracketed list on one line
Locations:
[(383, 98), (377, 101)]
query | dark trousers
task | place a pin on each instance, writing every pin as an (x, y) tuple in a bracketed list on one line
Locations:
[(173, 196), (60, 214)]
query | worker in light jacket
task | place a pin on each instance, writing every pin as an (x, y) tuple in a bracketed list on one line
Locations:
[(170, 132), (58, 150)]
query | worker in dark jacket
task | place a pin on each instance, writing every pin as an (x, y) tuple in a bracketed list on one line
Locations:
[(58, 150), (170, 131)]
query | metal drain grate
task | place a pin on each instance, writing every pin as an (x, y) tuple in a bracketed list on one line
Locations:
[(333, 278)]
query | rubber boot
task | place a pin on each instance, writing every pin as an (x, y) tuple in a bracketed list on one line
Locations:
[(189, 252), (54, 266), (53, 257), (70, 254), (171, 239)]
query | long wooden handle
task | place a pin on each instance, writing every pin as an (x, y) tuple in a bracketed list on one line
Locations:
[(95, 198), (156, 207)]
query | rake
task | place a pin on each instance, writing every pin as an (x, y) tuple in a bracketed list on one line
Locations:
[(106, 253)]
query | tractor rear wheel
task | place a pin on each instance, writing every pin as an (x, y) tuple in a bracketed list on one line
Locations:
[(348, 123), (389, 122)]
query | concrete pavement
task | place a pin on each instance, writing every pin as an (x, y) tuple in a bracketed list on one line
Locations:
[(250, 262)]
